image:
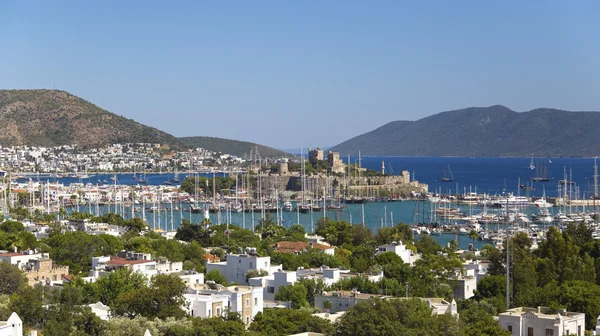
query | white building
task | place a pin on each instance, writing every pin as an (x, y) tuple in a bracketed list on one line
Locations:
[(11, 327), (21, 259), (137, 262), (523, 321), (215, 299), (236, 266), (407, 255), (101, 310), (464, 284)]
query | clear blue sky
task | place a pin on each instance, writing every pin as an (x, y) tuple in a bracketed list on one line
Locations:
[(291, 73)]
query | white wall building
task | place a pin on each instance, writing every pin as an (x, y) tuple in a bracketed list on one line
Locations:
[(11, 327), (236, 266), (524, 321), (246, 300), (407, 255)]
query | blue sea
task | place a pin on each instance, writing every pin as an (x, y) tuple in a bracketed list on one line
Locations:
[(490, 175), (484, 175)]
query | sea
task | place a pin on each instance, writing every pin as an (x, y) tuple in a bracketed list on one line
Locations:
[(469, 174)]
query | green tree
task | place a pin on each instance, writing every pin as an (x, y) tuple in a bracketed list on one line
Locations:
[(395, 317), (11, 279), (289, 321), (120, 281), (216, 276), (295, 293), (28, 304)]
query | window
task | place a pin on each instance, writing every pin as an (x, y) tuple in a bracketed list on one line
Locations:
[(209, 313), (549, 332), (247, 302), (270, 289), (239, 261), (251, 264), (247, 320), (256, 302), (509, 327), (530, 331), (265, 264), (218, 311), (578, 330)]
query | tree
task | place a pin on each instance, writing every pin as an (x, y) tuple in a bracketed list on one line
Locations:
[(216, 276), (295, 293), (11, 279), (476, 319), (120, 281), (28, 304), (388, 258), (162, 299), (289, 321), (473, 235), (395, 317), (11, 226)]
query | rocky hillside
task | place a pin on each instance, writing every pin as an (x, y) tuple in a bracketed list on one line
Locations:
[(54, 118), (234, 147), (484, 131)]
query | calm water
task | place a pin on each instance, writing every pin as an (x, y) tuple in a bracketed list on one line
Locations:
[(490, 175), (485, 175)]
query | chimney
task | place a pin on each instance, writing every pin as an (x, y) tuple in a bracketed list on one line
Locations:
[(15, 249)]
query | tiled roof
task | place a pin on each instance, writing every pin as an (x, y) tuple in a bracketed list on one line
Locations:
[(11, 254), (123, 261)]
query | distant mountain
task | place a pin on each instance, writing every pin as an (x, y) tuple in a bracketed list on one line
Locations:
[(54, 118), (484, 131), (233, 147)]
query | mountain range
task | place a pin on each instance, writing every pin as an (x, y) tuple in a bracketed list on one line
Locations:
[(54, 118), (484, 131)]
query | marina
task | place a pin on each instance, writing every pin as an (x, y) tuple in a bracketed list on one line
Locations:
[(443, 213)]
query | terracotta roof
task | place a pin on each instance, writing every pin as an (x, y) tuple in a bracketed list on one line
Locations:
[(123, 261), (211, 257), (11, 254), (68, 277), (293, 247)]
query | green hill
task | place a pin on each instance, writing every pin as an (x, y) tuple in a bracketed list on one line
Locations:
[(54, 118), (233, 147), (484, 131)]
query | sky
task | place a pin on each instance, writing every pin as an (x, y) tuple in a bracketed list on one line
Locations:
[(302, 73)]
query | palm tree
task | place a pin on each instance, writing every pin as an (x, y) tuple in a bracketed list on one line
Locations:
[(473, 235)]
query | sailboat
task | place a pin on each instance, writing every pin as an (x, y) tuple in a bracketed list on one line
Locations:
[(531, 165), (540, 174), (446, 178), (176, 177), (143, 179)]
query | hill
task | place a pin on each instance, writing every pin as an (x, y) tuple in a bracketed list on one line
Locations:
[(484, 131), (54, 118), (233, 147)]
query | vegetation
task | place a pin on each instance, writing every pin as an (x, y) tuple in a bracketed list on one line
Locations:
[(487, 129), (56, 118), (561, 273), (233, 147)]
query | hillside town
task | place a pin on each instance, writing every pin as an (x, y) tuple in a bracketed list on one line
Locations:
[(128, 157)]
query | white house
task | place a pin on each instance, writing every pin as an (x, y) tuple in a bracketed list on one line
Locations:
[(524, 321), (464, 285), (329, 276), (236, 266), (407, 255), (215, 299), (11, 327)]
